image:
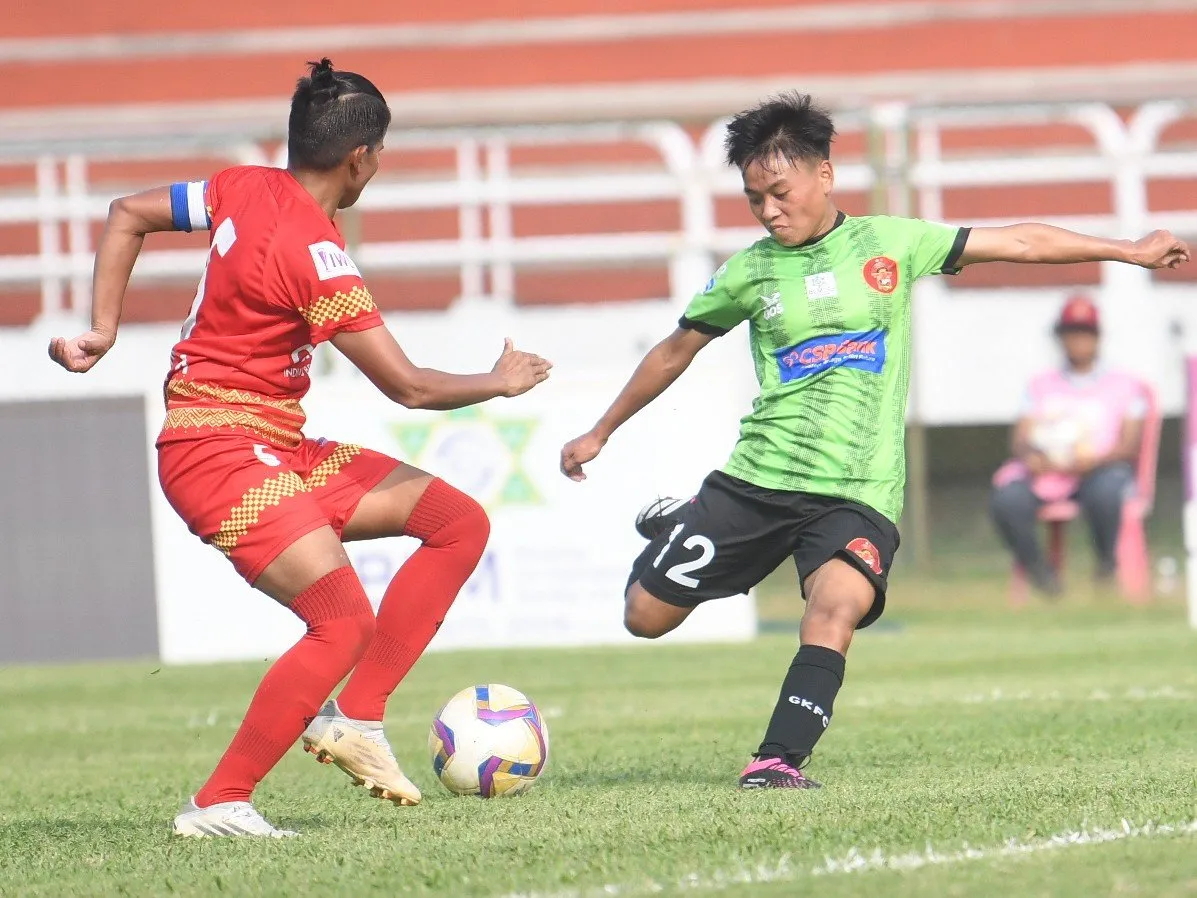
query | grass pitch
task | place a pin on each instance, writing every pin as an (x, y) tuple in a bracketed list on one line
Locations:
[(974, 752)]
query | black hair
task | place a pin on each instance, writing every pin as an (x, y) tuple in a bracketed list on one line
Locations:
[(790, 126), (332, 114)]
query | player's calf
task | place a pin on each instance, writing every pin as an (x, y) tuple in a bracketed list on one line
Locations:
[(453, 529), (340, 623), (838, 598)]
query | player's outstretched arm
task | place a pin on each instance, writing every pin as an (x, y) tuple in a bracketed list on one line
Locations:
[(379, 356), (1045, 244), (130, 218), (663, 364)]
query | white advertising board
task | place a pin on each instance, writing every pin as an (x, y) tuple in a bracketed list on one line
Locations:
[(559, 554)]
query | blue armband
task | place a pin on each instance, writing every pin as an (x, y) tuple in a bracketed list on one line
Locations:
[(187, 206)]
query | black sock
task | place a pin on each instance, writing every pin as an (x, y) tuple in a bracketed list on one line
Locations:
[(803, 711)]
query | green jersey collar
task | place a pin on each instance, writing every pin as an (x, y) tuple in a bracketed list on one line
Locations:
[(839, 220)]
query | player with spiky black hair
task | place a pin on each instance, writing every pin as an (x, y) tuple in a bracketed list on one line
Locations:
[(819, 470)]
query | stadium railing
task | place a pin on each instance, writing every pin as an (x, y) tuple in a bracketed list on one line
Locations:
[(907, 170)]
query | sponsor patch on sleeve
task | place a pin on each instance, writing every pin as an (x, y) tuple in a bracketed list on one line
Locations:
[(719, 272), (862, 350), (332, 261)]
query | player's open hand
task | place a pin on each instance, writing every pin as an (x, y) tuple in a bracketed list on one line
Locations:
[(578, 452), (82, 353), (1160, 249), (521, 371)]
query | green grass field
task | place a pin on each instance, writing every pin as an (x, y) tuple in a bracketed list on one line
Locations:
[(975, 752)]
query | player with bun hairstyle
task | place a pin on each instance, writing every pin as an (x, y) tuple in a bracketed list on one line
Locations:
[(234, 463)]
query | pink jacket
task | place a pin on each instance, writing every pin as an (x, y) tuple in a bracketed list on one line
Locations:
[(1074, 416)]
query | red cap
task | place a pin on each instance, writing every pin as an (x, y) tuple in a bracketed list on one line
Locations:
[(1079, 313)]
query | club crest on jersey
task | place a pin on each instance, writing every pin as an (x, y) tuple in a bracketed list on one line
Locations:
[(881, 273), (866, 552), (862, 350), (332, 261)]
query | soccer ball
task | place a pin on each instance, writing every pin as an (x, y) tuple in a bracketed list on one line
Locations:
[(489, 741)]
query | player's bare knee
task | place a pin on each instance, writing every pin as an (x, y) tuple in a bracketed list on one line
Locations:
[(647, 617), (838, 598), (640, 624), (637, 618)]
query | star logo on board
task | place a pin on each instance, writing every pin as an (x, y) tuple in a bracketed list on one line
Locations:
[(477, 453)]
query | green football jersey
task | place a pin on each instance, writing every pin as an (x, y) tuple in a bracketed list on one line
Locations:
[(830, 333)]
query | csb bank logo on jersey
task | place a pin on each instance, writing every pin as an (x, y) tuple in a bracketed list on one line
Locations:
[(862, 350)]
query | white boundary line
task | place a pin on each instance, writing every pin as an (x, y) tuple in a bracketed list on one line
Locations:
[(856, 861), (573, 29)]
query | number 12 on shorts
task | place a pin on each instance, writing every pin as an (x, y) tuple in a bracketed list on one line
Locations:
[(678, 573)]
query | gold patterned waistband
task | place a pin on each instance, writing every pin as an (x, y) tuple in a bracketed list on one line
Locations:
[(181, 420), (183, 390)]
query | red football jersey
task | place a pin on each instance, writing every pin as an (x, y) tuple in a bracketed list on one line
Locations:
[(277, 282)]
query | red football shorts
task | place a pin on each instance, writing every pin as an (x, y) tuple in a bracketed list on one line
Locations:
[(251, 500)]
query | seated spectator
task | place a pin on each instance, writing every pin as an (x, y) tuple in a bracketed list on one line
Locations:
[(1077, 438)]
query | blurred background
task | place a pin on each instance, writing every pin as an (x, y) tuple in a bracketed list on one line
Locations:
[(554, 173)]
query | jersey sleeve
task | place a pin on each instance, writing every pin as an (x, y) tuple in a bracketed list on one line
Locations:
[(934, 248), (718, 308), (321, 282)]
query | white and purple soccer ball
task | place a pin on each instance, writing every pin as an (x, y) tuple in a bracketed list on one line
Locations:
[(489, 740)]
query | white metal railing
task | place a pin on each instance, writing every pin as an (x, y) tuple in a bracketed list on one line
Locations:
[(909, 172)]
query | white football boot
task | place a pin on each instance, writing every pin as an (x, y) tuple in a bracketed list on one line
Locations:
[(229, 818), (360, 748)]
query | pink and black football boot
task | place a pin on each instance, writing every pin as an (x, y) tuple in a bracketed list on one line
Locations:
[(775, 773)]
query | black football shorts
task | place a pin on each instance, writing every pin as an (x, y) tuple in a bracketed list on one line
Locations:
[(733, 534)]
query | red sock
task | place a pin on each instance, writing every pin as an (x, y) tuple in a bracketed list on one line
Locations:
[(454, 529), (340, 626)]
